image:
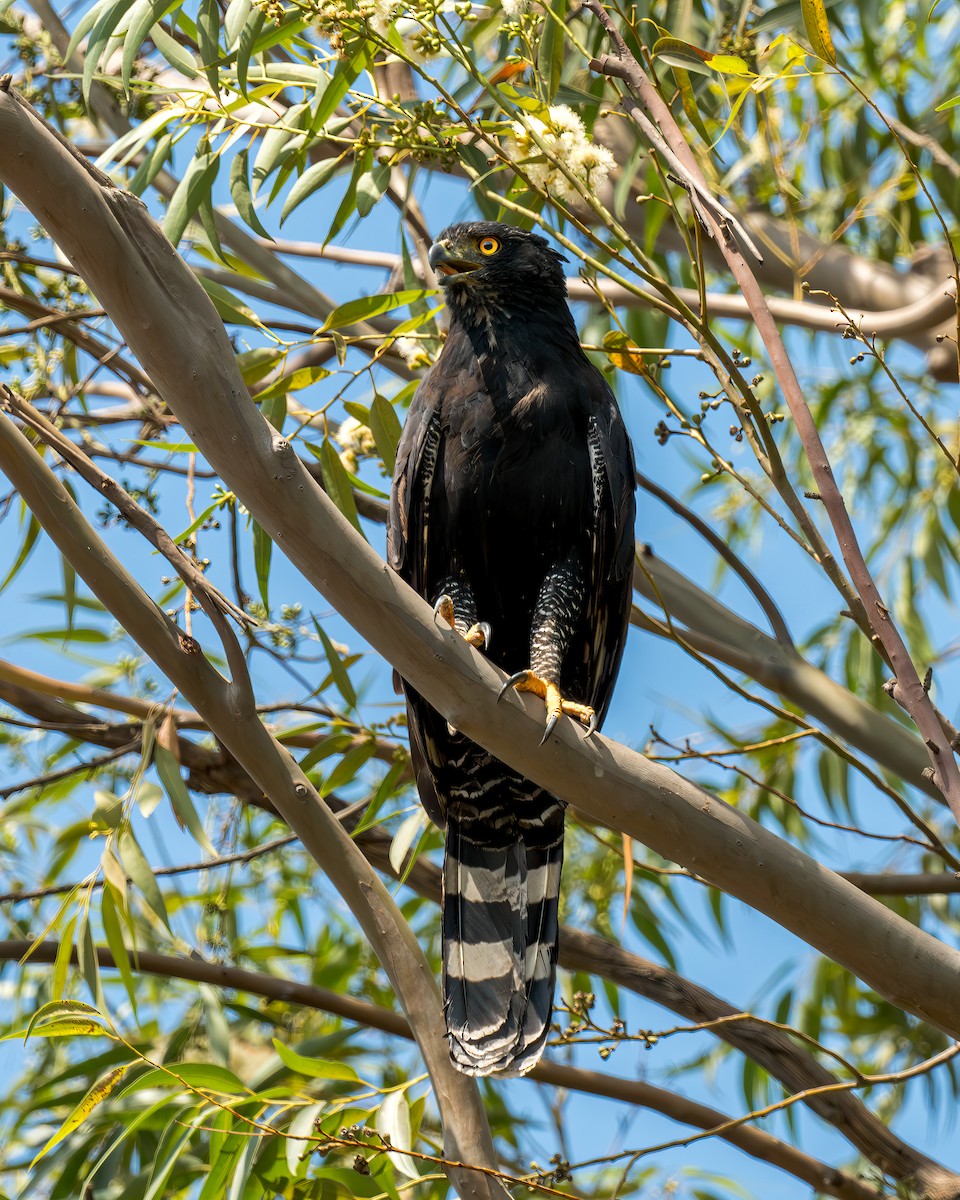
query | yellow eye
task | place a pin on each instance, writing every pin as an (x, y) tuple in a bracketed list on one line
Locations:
[(489, 245)]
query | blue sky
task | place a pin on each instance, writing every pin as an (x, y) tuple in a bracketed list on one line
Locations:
[(659, 685)]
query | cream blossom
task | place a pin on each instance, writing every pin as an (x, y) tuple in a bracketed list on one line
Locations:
[(414, 355), (565, 140), (355, 437)]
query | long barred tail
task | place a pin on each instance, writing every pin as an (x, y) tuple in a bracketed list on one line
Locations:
[(501, 887)]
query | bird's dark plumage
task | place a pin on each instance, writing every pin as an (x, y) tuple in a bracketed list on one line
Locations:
[(513, 496)]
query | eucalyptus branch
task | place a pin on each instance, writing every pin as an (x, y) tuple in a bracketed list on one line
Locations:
[(234, 721), (831, 1181), (885, 633), (769, 1044), (222, 860), (736, 564), (117, 249), (214, 603)]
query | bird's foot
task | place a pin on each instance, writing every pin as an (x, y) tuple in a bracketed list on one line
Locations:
[(549, 692), (477, 635)]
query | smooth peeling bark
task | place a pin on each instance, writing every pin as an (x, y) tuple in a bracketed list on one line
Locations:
[(230, 715), (752, 1141), (172, 327)]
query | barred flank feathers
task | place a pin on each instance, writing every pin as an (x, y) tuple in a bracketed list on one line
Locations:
[(500, 931)]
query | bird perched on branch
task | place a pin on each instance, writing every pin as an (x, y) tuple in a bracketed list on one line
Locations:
[(512, 513)]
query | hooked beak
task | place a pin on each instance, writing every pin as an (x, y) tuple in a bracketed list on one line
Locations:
[(447, 265)]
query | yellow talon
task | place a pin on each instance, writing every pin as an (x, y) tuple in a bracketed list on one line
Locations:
[(549, 692), (477, 635)]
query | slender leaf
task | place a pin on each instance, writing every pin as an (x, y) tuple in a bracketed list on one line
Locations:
[(26, 548), (262, 555), (309, 182), (193, 188), (299, 1132), (386, 429), (208, 41), (144, 15), (365, 307), (205, 1077), (371, 187), (337, 483), (818, 30), (176, 55), (168, 771), (275, 144), (550, 53), (55, 1009), (108, 18), (61, 965), (314, 1068), (96, 1095), (230, 309), (114, 934), (348, 767), (241, 194), (137, 867), (337, 670)]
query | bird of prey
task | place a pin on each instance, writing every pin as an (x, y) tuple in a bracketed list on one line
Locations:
[(512, 512)]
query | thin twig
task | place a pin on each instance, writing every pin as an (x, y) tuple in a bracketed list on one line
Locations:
[(224, 860), (213, 600), (754, 1141), (760, 593), (642, 91)]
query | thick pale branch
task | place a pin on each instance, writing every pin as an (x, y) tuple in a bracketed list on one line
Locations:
[(231, 717), (642, 98), (229, 711), (771, 1048), (172, 327), (919, 315), (755, 1142)]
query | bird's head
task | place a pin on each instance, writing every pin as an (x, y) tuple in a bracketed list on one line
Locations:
[(487, 264)]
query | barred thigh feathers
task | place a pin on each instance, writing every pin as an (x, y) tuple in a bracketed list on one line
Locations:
[(501, 885)]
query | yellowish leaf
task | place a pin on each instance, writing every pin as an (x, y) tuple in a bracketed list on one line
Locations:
[(727, 64), (818, 30), (96, 1095), (624, 353)]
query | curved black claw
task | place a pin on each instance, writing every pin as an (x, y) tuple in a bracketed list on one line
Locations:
[(550, 726), (519, 677), (484, 627), (591, 728)]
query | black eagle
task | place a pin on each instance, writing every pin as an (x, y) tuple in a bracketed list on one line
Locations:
[(512, 512)]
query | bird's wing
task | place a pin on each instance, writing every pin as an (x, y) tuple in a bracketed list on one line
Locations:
[(412, 479), (610, 584), (407, 526)]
